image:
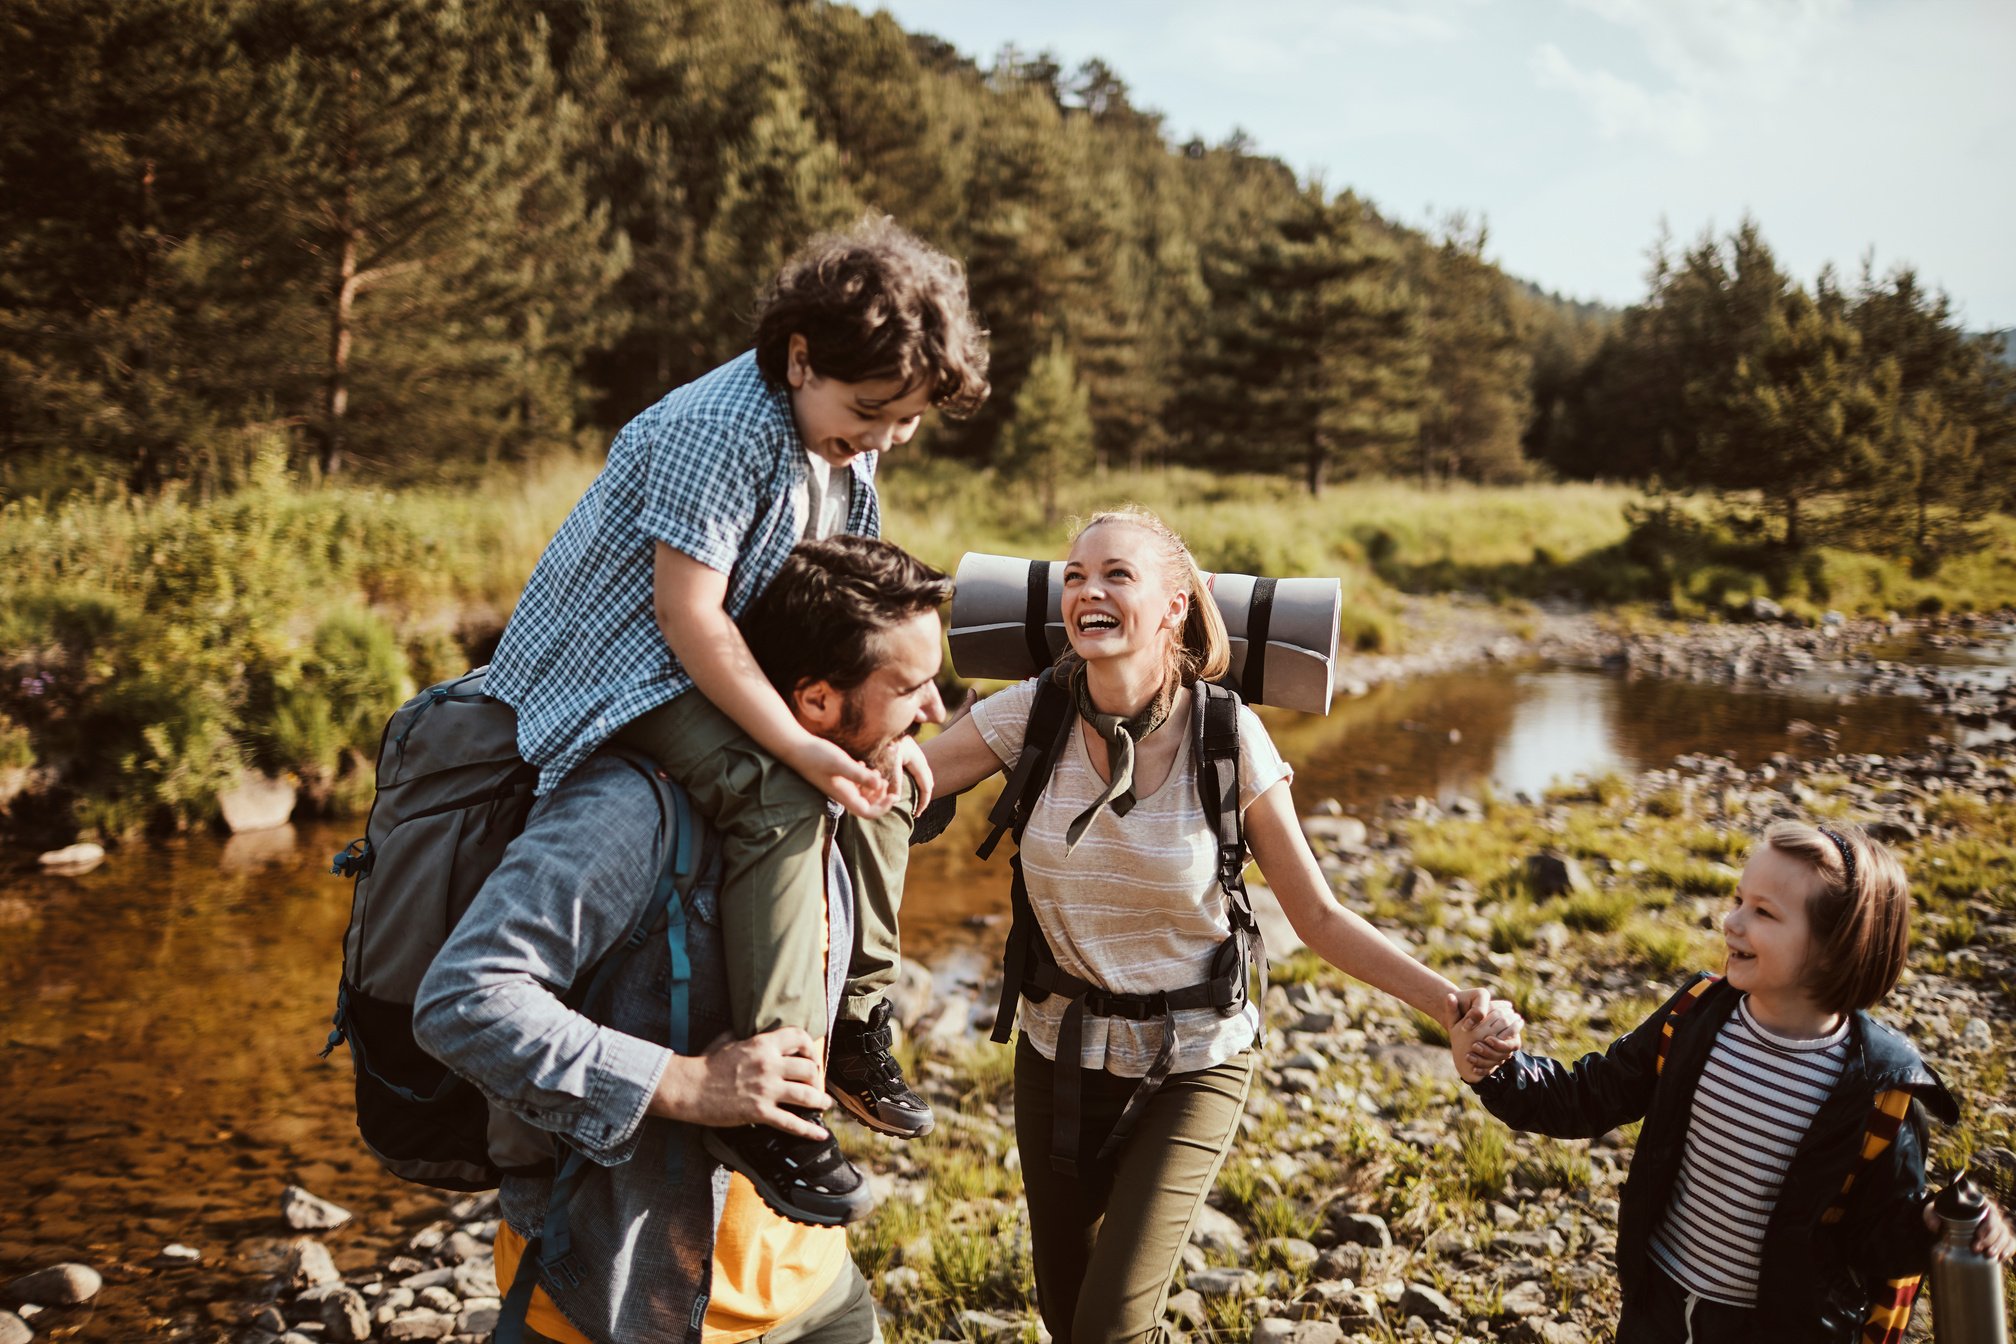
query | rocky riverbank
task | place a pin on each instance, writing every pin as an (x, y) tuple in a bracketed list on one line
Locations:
[(1369, 1198)]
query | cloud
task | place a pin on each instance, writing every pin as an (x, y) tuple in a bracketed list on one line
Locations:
[(1622, 109), (1715, 62), (1712, 41)]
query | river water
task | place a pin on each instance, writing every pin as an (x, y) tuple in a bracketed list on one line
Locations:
[(161, 1016)]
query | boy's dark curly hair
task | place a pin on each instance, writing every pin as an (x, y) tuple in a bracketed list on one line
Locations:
[(873, 302)]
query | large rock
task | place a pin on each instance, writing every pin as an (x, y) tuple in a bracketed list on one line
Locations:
[(1216, 1231), (72, 860), (64, 1285), (14, 1330), (1421, 1300), (1226, 1282), (1187, 1309), (910, 997), (476, 1278), (1280, 1330), (478, 1316), (309, 1265), (310, 1213), (346, 1317), (417, 1324), (1360, 1229), (1288, 1252), (1549, 873), (1529, 1299), (258, 803), (1337, 832)]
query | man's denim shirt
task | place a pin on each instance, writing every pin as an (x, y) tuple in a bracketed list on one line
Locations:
[(568, 892)]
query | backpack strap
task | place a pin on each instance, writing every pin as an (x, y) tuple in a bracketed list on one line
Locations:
[(1890, 1304), (1217, 752), (1259, 615), (1042, 738), (1030, 969), (1680, 1007)]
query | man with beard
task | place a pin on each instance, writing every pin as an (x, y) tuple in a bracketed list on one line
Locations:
[(655, 1248)]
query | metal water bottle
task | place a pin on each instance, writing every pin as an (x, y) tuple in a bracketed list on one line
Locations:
[(1967, 1306)]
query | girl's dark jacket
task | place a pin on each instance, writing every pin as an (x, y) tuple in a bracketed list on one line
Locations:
[(1819, 1278)]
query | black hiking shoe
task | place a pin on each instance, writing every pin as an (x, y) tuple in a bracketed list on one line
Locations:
[(868, 1082), (805, 1180)]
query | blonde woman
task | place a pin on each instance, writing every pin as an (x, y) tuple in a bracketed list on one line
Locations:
[(1136, 950)]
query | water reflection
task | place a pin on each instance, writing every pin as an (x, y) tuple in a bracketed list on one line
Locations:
[(1443, 737)]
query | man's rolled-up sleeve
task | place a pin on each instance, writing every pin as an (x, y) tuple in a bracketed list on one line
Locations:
[(492, 1006)]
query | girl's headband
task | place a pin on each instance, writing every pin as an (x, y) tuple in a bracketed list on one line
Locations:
[(1847, 855)]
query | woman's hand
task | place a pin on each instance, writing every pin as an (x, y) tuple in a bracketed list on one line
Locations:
[(746, 1083)]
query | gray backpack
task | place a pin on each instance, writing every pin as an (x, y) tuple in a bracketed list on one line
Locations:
[(452, 794)]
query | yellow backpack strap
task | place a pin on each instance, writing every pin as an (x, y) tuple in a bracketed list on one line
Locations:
[(1680, 1006), (1890, 1306), (1884, 1119), (1890, 1312)]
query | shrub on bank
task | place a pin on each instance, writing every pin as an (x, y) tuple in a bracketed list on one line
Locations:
[(153, 650)]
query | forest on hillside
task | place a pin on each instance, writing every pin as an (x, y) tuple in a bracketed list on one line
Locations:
[(412, 238)]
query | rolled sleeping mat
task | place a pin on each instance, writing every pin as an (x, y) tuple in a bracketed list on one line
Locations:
[(1008, 625)]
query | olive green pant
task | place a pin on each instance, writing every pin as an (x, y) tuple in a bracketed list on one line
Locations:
[(1106, 1241), (773, 825)]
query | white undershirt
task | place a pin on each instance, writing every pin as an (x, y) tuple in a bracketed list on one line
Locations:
[(822, 498)]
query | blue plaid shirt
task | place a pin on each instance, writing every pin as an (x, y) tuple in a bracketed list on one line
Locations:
[(709, 471)]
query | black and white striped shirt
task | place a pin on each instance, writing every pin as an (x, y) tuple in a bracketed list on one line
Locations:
[(1756, 1099)]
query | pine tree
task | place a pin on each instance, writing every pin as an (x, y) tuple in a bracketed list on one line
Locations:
[(1049, 435), (136, 326), (1479, 379), (431, 180), (1316, 354), (1803, 421), (781, 185)]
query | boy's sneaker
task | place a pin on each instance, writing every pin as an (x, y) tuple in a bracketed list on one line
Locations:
[(868, 1082), (805, 1180)]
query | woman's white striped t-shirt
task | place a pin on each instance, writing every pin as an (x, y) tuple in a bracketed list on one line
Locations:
[(1136, 907), (1757, 1097)]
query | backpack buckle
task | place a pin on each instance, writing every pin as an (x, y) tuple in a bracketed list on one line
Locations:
[(353, 860), (1231, 864)]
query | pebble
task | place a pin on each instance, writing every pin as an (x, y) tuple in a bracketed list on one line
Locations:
[(310, 1213), (14, 1330)]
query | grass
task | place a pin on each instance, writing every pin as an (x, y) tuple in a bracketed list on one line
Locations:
[(153, 649)]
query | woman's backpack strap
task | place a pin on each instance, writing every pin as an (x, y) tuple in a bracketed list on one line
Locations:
[(1216, 747), (1049, 719)]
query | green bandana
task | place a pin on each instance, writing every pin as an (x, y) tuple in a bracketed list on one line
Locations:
[(1120, 735)]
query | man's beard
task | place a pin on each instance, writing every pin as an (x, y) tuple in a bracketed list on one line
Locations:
[(850, 737)]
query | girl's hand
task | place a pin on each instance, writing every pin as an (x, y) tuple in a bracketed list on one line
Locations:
[(1993, 1238), (909, 760), (855, 785)]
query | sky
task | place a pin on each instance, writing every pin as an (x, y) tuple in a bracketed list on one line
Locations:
[(1577, 129)]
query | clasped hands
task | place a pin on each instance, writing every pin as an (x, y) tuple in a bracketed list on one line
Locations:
[(1483, 1032)]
